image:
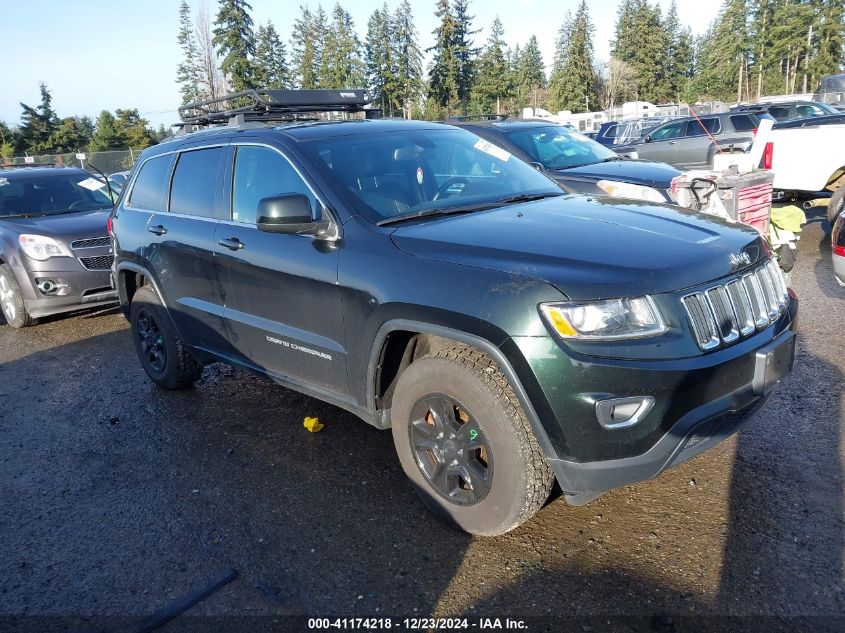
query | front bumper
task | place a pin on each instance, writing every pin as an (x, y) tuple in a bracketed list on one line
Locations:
[(76, 289), (698, 403)]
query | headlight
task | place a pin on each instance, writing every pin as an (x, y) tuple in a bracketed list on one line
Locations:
[(627, 190), (605, 320), (41, 247)]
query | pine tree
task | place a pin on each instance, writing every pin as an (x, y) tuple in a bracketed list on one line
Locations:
[(444, 68), (37, 124), (341, 63), (408, 58), (679, 54), (465, 54), (641, 42), (72, 135), (235, 42), (723, 55), (491, 83), (306, 44), (106, 136), (573, 82), (269, 65), (188, 70), (530, 75), (379, 61), (829, 58)]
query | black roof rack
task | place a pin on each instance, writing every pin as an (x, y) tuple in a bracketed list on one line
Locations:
[(477, 117), (272, 105)]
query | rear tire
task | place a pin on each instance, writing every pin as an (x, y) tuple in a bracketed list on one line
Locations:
[(11, 299), (167, 361), (836, 205), (465, 443)]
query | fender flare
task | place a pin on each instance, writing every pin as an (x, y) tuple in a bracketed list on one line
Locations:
[(147, 275), (489, 348)]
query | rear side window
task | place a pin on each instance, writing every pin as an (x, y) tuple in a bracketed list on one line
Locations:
[(150, 188), (261, 172), (697, 128), (781, 113), (195, 182), (742, 123)]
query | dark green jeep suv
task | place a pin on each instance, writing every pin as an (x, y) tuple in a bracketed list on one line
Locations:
[(429, 282)]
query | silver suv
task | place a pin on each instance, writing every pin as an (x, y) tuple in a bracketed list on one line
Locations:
[(691, 143), (55, 250)]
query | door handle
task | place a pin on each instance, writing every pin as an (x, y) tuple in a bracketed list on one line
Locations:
[(158, 229), (672, 142), (231, 243)]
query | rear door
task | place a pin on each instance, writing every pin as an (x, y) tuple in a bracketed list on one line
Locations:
[(694, 148), (182, 246), (283, 306)]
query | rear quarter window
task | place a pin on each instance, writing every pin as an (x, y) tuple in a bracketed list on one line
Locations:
[(150, 188), (742, 123)]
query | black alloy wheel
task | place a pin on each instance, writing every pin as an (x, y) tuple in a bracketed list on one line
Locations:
[(450, 450), (152, 341)]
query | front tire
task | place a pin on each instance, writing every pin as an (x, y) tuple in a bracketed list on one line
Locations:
[(11, 299), (836, 205), (162, 353), (465, 443)]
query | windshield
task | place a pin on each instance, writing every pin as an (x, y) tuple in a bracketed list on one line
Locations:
[(397, 173), (556, 147), (52, 194)]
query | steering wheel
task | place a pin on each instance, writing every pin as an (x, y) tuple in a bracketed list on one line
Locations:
[(450, 183)]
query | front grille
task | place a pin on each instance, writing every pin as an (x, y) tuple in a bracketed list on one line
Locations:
[(91, 242), (97, 263), (724, 313)]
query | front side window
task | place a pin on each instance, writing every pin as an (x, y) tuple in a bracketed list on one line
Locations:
[(809, 110), (150, 188), (671, 130), (394, 173), (555, 147), (195, 182), (261, 172)]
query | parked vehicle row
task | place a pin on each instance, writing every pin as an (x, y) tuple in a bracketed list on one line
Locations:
[(430, 282)]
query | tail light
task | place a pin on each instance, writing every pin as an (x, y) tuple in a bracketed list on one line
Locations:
[(109, 225), (768, 154), (837, 235)]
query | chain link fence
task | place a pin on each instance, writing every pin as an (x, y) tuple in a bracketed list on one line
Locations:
[(107, 162)]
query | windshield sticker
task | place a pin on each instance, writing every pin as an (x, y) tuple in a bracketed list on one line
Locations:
[(4, 182), (91, 183), (494, 150), (419, 176)]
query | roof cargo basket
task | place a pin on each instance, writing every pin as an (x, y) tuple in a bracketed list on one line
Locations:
[(273, 105)]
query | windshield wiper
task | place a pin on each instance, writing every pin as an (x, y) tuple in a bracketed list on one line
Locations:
[(611, 159), (529, 197), (427, 213)]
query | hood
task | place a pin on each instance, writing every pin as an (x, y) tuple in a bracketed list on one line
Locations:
[(66, 226), (589, 248), (638, 172)]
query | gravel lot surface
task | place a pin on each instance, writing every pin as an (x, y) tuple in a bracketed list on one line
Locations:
[(118, 498)]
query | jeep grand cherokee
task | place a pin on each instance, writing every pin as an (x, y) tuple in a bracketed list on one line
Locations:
[(429, 282)]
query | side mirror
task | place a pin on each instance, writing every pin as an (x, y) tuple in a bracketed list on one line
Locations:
[(647, 138), (289, 213), (537, 166)]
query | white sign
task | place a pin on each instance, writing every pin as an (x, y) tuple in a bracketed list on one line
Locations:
[(29, 160), (494, 150), (80, 156), (91, 183)]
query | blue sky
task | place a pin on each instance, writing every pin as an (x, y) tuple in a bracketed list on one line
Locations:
[(107, 54)]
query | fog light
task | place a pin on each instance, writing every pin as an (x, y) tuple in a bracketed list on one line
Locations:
[(620, 413)]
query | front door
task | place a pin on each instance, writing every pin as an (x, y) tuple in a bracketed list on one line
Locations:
[(663, 143), (694, 149), (282, 303)]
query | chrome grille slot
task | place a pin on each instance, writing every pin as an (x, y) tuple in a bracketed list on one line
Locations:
[(703, 323), (726, 322), (769, 294), (758, 304), (723, 313), (91, 242), (742, 307)]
